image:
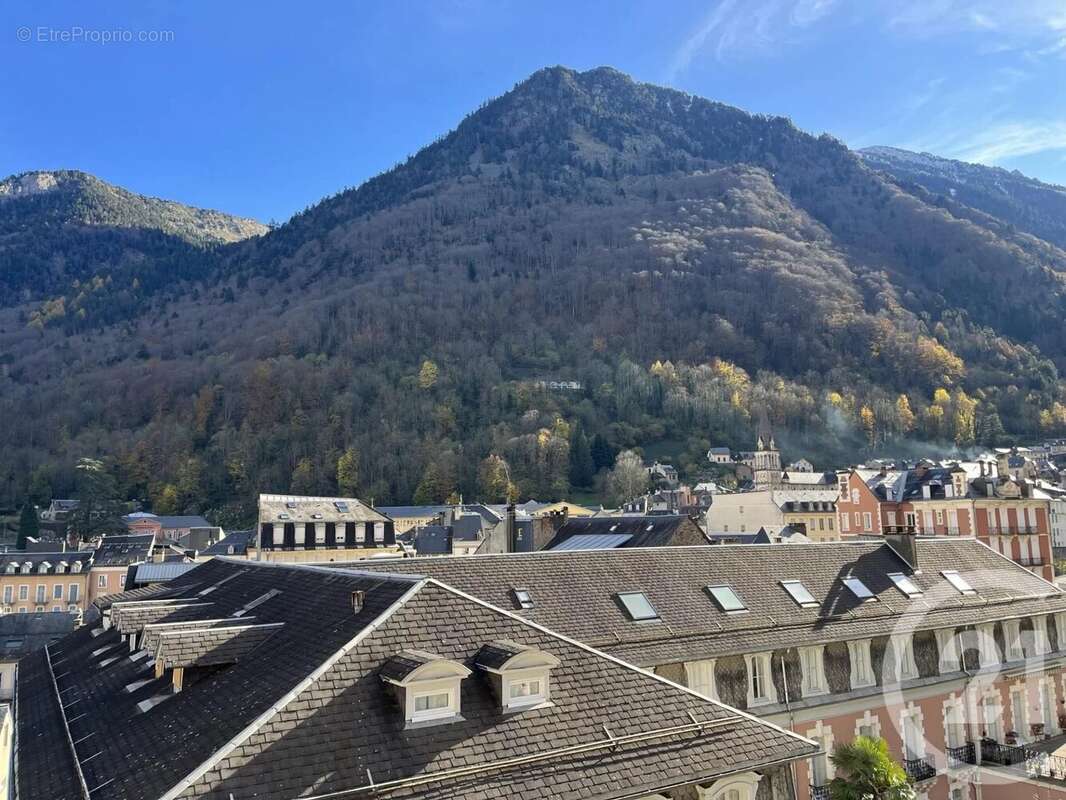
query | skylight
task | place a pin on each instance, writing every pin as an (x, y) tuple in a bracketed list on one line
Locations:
[(257, 602), (290, 504), (726, 599), (905, 584), (800, 594), (955, 579), (341, 507), (858, 588), (523, 598), (638, 606)]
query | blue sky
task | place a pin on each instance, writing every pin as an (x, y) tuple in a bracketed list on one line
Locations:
[(262, 109)]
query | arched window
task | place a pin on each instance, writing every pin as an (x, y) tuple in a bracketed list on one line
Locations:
[(733, 787)]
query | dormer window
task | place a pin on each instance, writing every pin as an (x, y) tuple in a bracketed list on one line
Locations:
[(43, 567), (11, 567), (27, 567), (426, 686), (75, 567), (519, 674)]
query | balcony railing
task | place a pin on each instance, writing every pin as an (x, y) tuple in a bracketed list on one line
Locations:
[(1014, 530), (918, 769), (961, 756), (1036, 764), (819, 792), (1003, 754)]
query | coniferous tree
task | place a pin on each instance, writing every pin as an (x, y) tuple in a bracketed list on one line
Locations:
[(28, 526), (582, 466)]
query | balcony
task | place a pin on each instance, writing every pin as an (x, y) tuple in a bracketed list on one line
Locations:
[(819, 793), (961, 756), (918, 769)]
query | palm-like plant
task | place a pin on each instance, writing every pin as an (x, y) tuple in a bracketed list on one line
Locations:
[(865, 771)]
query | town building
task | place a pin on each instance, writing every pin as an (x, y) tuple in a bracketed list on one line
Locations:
[(59, 510), (774, 509), (247, 679), (112, 560), (298, 528), (407, 518), (1007, 514), (22, 634), (186, 531), (719, 455), (951, 653), (54, 582)]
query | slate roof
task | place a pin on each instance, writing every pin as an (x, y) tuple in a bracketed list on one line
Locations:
[(70, 557), (22, 634), (574, 593), (305, 711), (650, 531), (467, 528), (298, 508), (433, 540), (237, 540), (400, 512), (168, 522), (123, 550)]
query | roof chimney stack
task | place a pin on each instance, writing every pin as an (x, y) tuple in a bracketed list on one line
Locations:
[(358, 598)]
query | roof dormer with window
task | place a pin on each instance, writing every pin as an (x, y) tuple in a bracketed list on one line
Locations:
[(426, 686), (520, 676)]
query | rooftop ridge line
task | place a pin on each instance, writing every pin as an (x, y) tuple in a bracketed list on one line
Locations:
[(406, 577), (179, 788), (66, 725)]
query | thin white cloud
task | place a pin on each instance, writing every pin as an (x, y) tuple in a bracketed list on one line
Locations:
[(1008, 140), (754, 26), (733, 29)]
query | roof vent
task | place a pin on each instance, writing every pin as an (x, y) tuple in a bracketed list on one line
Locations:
[(358, 600)]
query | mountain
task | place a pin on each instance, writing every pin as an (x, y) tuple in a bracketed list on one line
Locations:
[(1008, 196), (62, 226), (584, 264)]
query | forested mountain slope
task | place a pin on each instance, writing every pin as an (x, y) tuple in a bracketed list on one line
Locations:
[(686, 263), (62, 231), (1028, 204)]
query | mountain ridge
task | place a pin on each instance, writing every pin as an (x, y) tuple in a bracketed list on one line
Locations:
[(688, 265)]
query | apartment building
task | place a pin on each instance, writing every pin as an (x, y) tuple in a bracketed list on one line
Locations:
[(249, 679), (1010, 515), (44, 581), (952, 653), (813, 508), (112, 560), (299, 528)]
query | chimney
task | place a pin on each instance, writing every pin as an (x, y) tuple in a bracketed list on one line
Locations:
[(927, 491), (884, 471), (905, 545), (512, 529), (358, 598)]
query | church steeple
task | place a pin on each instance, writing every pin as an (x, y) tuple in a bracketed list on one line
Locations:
[(767, 466)]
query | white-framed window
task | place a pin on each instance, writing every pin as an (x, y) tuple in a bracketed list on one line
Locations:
[(433, 705), (9, 594), (1041, 643), (844, 526), (868, 725), (101, 581), (57, 592), (24, 592), (862, 671), (526, 691), (913, 732), (987, 650), (900, 651), (42, 592), (812, 668), (940, 516), (947, 646), (867, 521), (1012, 640), (819, 766), (379, 532), (761, 690), (1019, 710), (56, 609), (72, 595), (699, 676), (992, 715)]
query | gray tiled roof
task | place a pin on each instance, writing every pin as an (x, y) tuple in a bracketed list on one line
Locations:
[(55, 559), (123, 550), (574, 593), (644, 531), (316, 718), (22, 634)]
